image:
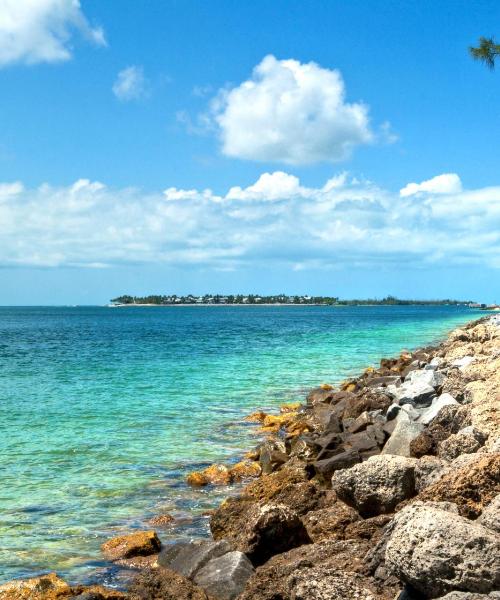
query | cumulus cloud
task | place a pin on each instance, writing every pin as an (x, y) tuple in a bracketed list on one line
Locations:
[(276, 220), (290, 112), (447, 183), (35, 31), (131, 84)]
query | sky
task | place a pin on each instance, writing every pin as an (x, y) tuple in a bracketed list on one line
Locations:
[(345, 148)]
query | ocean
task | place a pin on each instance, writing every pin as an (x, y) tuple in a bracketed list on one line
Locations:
[(103, 411)]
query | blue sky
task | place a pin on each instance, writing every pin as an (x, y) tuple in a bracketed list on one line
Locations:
[(304, 120)]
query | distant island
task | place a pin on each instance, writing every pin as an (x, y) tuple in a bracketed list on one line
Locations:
[(173, 299)]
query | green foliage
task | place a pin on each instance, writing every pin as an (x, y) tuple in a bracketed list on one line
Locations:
[(487, 51), (278, 299)]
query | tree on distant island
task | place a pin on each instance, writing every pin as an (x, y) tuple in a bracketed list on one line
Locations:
[(486, 51)]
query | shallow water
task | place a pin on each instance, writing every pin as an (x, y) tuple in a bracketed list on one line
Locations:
[(104, 411)]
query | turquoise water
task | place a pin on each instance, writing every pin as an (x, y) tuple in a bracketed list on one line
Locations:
[(103, 411)]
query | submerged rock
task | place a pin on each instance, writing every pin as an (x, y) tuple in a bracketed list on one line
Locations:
[(437, 551), (140, 543)]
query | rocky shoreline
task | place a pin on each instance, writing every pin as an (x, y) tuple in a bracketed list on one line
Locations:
[(385, 488)]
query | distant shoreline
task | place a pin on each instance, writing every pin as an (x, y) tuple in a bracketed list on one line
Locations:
[(205, 305)]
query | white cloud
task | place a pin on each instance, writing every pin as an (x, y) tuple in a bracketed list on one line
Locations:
[(447, 183), (131, 84), (290, 112), (275, 221), (35, 31)]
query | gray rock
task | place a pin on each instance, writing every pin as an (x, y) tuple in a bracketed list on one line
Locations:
[(435, 363), (392, 411), (323, 583), (413, 392), (490, 516), (466, 441), (464, 362), (376, 486), (326, 467), (426, 377), (192, 556), (428, 470), (437, 551), (402, 436), (225, 577), (437, 404)]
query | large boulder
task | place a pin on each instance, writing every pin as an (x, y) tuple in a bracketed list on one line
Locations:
[(437, 404), (416, 393), (376, 486), (403, 435), (437, 551), (271, 580), (466, 441), (140, 543), (164, 584), (225, 577), (329, 522), (323, 583), (189, 557), (471, 487), (263, 530)]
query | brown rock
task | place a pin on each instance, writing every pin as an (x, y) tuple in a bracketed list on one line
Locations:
[(422, 445), (214, 474), (366, 400), (97, 592), (164, 584), (140, 543), (161, 520), (470, 488), (256, 417), (292, 407), (270, 581), (46, 587), (367, 529), (330, 522), (245, 469)]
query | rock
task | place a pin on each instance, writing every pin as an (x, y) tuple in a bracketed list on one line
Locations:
[(366, 529), (163, 584), (326, 467), (416, 393), (322, 583), (392, 411), (214, 474), (437, 404), (365, 400), (402, 436), (188, 558), (161, 520), (96, 592), (272, 455), (428, 377), (461, 363), (471, 596), (376, 486), (256, 417), (329, 522), (435, 363), (140, 543), (245, 469), (471, 487), (326, 418), (490, 517), (466, 441), (422, 445), (436, 551), (45, 587), (270, 581), (320, 394), (429, 470), (261, 530), (225, 577)]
